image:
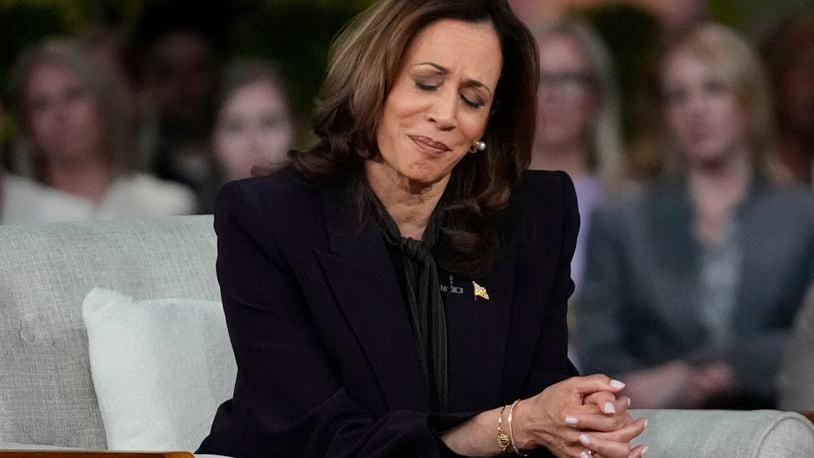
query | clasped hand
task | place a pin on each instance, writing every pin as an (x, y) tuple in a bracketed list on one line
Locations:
[(578, 417)]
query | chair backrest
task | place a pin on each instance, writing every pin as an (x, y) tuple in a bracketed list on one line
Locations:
[(46, 392)]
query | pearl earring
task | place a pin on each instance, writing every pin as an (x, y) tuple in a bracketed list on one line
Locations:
[(478, 146)]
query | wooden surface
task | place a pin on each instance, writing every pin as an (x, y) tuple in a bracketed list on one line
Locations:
[(89, 454), (809, 415)]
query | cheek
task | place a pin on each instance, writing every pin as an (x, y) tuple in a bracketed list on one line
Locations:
[(227, 143)]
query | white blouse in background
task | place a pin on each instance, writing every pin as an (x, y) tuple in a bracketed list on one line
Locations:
[(133, 196)]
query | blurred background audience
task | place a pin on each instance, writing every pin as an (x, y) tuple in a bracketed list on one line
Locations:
[(254, 124), (692, 282), (74, 136), (691, 250)]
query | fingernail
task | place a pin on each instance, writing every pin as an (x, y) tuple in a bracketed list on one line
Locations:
[(628, 402), (645, 423), (583, 455), (617, 384), (609, 407), (584, 440), (571, 420), (644, 450)]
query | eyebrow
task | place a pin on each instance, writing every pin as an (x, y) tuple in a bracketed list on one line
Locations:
[(445, 71)]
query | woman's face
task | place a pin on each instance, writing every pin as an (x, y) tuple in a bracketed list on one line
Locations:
[(702, 111), (565, 99), (253, 128), (440, 100), (64, 117)]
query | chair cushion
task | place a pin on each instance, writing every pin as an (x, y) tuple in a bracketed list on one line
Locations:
[(160, 368)]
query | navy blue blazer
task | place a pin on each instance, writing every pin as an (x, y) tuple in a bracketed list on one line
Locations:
[(327, 362)]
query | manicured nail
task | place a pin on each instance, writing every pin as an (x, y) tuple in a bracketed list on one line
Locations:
[(609, 407), (617, 384), (644, 450), (584, 455), (571, 420), (645, 423), (584, 440)]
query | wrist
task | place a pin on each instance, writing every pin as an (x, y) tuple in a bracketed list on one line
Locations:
[(521, 432)]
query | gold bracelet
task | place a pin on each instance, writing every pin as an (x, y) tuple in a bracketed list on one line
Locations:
[(503, 440), (511, 432)]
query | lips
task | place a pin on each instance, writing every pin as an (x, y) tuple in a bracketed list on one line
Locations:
[(428, 144)]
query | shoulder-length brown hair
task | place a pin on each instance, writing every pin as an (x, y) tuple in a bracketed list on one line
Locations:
[(71, 53), (365, 60)]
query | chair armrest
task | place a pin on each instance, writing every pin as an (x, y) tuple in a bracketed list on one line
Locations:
[(759, 433)]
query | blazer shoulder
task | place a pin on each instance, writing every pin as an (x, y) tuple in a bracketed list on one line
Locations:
[(544, 204), (275, 204), (545, 186)]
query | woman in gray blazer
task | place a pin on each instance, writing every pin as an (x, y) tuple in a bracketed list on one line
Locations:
[(692, 281)]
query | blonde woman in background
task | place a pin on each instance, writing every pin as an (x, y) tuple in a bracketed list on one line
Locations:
[(578, 117), (76, 134), (692, 282)]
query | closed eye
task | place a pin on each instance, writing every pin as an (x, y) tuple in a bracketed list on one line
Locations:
[(472, 103), (425, 86)]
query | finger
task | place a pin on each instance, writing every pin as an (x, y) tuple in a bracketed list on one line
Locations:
[(611, 449), (605, 400), (637, 452), (576, 451), (597, 382), (598, 422), (626, 433)]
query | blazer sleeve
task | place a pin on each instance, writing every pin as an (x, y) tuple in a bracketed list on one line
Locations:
[(551, 364), (600, 324), (287, 399)]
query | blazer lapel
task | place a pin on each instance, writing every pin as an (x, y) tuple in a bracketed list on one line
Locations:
[(367, 290)]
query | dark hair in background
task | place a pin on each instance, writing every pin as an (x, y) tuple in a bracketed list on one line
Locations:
[(365, 60)]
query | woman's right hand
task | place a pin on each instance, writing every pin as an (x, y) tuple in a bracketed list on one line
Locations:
[(573, 416)]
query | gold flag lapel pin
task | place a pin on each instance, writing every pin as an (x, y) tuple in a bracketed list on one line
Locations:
[(480, 291)]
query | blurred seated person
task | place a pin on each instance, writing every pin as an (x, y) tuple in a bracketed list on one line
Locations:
[(790, 56), (692, 281), (254, 125), (795, 383), (578, 117), (176, 80), (75, 136)]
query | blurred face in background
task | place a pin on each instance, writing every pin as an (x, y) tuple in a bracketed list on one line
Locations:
[(703, 113), (253, 127), (566, 97), (180, 77), (796, 90), (64, 117)]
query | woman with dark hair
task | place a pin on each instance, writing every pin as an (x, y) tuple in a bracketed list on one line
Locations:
[(401, 290), (254, 124)]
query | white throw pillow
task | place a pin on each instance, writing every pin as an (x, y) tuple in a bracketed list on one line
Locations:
[(160, 368)]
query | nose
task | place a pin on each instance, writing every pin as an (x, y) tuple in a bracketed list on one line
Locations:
[(443, 112)]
